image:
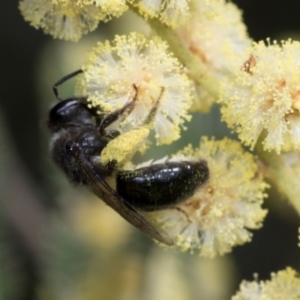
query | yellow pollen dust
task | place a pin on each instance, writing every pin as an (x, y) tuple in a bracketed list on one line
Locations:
[(122, 148)]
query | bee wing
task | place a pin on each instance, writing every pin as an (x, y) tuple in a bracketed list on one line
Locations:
[(100, 188)]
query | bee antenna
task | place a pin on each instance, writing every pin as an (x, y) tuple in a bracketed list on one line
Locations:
[(62, 80)]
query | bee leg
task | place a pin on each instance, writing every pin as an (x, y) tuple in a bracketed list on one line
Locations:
[(184, 212), (111, 166), (152, 112), (112, 134), (61, 81), (116, 114)]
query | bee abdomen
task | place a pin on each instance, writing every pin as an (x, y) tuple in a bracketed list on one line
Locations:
[(160, 186)]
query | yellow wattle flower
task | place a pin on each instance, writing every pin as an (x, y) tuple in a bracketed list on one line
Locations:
[(263, 96), (70, 19), (133, 69), (217, 217), (283, 285)]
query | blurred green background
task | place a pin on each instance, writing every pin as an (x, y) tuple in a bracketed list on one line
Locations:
[(57, 242)]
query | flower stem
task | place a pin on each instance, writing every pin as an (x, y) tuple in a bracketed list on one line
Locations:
[(281, 175), (197, 71)]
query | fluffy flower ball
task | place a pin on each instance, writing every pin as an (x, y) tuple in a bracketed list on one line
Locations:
[(283, 285), (264, 96), (70, 19), (217, 217), (135, 70)]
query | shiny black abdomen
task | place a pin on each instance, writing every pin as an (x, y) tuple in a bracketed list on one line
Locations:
[(161, 186)]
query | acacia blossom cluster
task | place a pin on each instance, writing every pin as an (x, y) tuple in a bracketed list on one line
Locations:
[(70, 19), (142, 78), (217, 217), (140, 73)]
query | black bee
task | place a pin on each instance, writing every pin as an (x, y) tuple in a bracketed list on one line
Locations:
[(79, 135)]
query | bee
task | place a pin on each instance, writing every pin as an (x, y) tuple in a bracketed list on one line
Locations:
[(79, 135)]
